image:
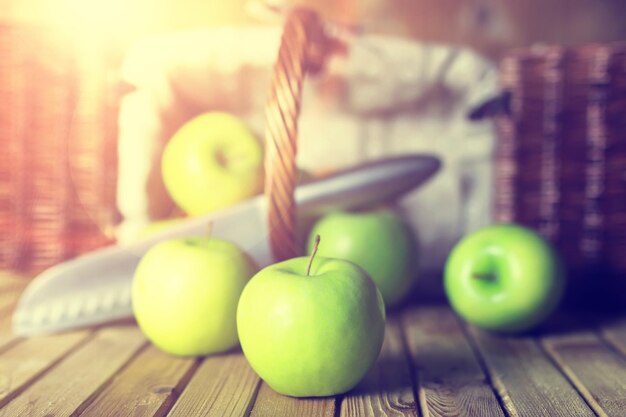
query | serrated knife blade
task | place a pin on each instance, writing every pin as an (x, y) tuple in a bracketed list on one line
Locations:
[(95, 288)]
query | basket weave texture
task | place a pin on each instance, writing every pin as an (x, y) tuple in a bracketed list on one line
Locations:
[(57, 133), (58, 128), (561, 163)]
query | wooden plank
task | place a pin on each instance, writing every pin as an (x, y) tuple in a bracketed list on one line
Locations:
[(12, 283), (11, 289), (387, 389), (7, 337), (149, 386), (615, 334), (8, 300), (224, 385), (269, 403), (595, 370), (67, 389), (528, 383), (450, 380), (26, 361)]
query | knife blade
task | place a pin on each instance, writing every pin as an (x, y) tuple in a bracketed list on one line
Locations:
[(95, 288)]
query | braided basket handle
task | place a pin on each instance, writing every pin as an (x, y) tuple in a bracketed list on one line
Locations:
[(303, 48)]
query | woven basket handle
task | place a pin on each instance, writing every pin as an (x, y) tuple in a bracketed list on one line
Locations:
[(304, 46)]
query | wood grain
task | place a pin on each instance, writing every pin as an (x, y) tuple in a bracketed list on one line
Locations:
[(450, 380), (597, 371), (224, 385), (269, 403), (528, 383), (149, 386), (24, 362), (68, 387), (387, 389)]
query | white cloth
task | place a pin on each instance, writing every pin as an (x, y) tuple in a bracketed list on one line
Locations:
[(387, 96)]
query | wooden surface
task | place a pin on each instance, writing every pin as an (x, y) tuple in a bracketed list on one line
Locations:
[(431, 365)]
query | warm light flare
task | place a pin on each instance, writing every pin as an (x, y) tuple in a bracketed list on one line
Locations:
[(124, 20), (100, 19)]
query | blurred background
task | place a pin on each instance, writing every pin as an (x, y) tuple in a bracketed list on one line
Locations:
[(490, 26), (61, 88)]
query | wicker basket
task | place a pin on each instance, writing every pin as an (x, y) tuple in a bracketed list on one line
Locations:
[(57, 127), (561, 165), (58, 124)]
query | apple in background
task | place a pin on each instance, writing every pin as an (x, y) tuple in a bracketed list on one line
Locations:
[(380, 242), (212, 162), (504, 278), (185, 294), (311, 333)]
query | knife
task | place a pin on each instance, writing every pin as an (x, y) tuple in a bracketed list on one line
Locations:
[(95, 288)]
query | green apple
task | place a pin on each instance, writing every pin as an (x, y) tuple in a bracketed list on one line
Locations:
[(311, 335), (212, 162), (185, 293), (380, 242), (504, 278)]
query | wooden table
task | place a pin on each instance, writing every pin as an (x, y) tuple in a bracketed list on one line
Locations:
[(431, 365)]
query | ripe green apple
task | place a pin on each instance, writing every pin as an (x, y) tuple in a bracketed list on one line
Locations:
[(380, 242), (504, 278), (212, 162), (185, 293), (311, 335)]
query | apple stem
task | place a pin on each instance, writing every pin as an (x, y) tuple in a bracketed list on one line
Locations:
[(485, 276), (315, 246)]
